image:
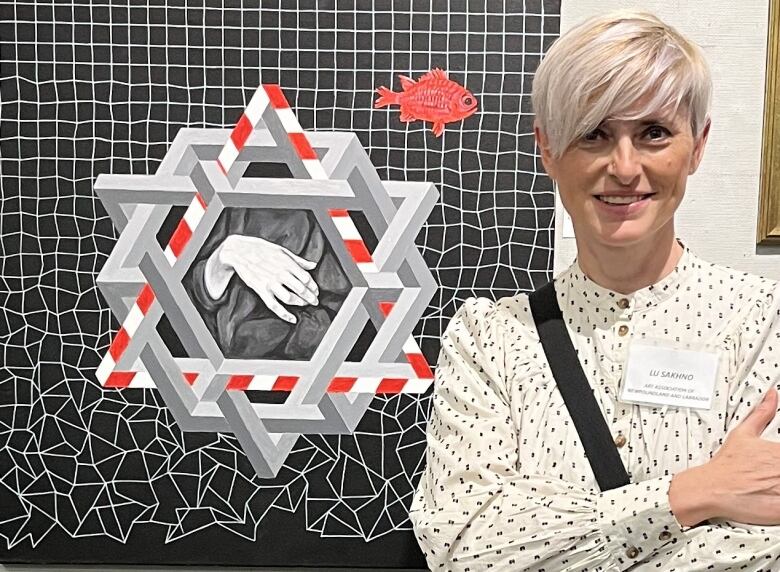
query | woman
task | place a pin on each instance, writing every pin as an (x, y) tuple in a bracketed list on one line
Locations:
[(622, 120)]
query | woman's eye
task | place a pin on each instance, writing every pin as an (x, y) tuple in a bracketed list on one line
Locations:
[(657, 132), (594, 135)]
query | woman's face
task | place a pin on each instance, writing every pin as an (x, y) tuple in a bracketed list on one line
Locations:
[(622, 182)]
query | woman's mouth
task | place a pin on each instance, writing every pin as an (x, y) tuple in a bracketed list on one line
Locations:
[(621, 207), (622, 199)]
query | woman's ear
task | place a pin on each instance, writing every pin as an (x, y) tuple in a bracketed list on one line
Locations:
[(544, 147), (698, 147)]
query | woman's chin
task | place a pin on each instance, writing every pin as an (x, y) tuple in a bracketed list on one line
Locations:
[(626, 234)]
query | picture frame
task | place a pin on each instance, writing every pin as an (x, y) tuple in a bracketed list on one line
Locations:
[(768, 231)]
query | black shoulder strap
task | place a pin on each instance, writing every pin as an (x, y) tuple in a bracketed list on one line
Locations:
[(575, 389)]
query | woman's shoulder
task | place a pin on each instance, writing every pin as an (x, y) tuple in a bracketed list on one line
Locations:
[(737, 284), (740, 297), (490, 331), (734, 275), (481, 315)]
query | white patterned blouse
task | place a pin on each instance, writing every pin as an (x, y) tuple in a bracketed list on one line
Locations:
[(507, 485)]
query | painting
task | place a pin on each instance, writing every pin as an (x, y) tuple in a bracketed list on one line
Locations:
[(231, 239), (769, 202)]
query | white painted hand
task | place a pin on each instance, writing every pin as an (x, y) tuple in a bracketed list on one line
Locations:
[(273, 272)]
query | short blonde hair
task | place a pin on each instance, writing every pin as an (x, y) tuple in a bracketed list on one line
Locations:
[(603, 67)]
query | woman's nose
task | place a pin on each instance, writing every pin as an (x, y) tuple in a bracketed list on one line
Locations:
[(624, 162)]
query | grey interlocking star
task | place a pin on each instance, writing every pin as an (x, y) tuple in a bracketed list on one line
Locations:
[(396, 211)]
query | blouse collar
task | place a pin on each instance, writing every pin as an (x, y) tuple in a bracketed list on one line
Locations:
[(573, 286)]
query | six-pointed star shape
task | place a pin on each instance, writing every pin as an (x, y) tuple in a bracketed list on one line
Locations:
[(396, 211)]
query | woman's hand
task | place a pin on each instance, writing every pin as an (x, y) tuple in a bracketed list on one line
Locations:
[(742, 480), (272, 271)]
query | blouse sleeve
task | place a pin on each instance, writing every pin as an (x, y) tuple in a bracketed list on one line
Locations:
[(476, 507), (722, 544)]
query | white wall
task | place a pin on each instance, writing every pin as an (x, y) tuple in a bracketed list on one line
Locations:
[(719, 214)]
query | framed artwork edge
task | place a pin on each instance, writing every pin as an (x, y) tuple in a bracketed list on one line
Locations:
[(768, 231)]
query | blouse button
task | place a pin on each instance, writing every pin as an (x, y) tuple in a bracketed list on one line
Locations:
[(622, 330), (665, 535), (620, 440), (632, 552), (623, 303)]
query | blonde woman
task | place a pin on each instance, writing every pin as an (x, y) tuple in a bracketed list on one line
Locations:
[(681, 357)]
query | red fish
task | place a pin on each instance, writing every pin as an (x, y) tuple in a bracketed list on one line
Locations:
[(434, 97)]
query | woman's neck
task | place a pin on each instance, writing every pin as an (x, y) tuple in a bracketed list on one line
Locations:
[(626, 270)]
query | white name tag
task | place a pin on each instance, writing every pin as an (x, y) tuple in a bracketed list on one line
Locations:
[(660, 375)]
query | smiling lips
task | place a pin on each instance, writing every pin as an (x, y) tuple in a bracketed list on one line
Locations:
[(622, 200)]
